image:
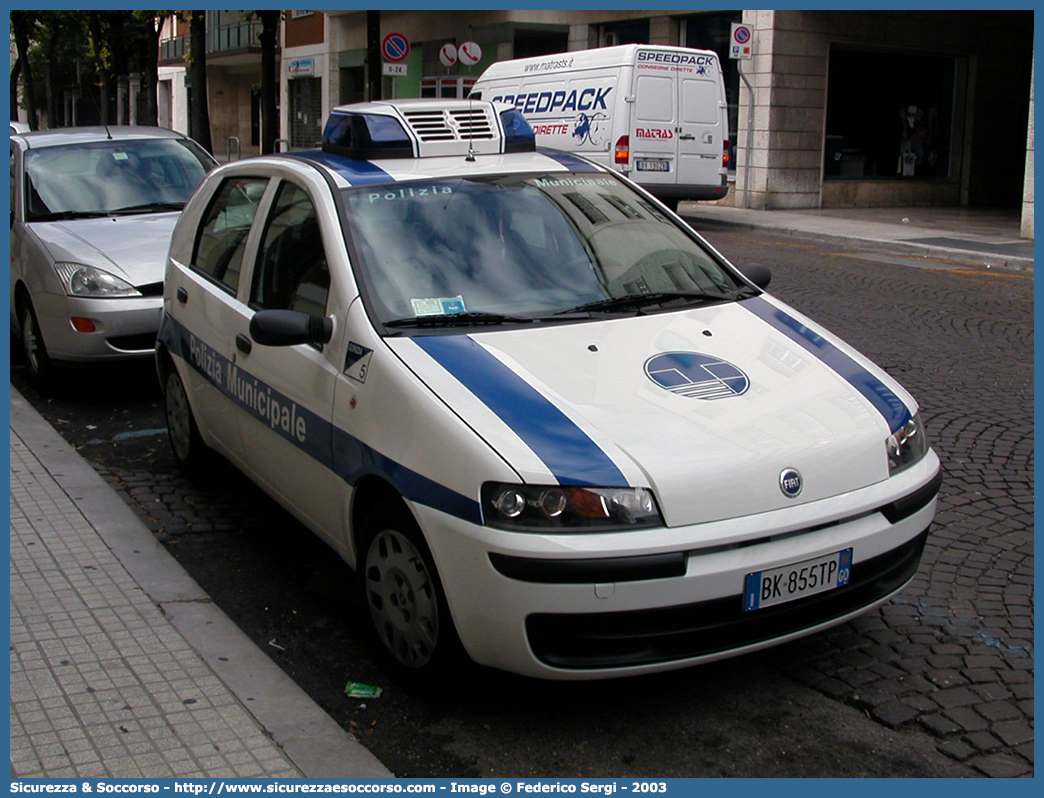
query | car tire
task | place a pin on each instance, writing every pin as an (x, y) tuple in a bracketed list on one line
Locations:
[(34, 351), (404, 600), (186, 443)]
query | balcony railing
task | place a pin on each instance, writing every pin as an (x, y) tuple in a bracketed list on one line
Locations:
[(245, 35)]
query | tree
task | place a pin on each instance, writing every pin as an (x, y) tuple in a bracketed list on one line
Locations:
[(269, 80), (150, 23), (16, 73), (199, 113), (23, 24)]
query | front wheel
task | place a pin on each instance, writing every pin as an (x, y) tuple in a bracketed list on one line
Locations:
[(34, 352), (185, 440), (403, 595)]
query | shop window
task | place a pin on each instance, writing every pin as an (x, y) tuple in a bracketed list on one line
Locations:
[(629, 32), (454, 87), (530, 43), (888, 115)]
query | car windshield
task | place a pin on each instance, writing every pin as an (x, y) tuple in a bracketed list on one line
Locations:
[(111, 177), (523, 247)]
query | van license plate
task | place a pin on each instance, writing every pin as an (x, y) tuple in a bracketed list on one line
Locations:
[(765, 588), (653, 166)]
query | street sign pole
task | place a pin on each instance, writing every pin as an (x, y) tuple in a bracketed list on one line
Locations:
[(747, 167), (742, 49)]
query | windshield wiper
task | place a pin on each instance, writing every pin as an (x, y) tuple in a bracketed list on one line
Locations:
[(59, 216), (150, 207), (457, 319), (638, 301)]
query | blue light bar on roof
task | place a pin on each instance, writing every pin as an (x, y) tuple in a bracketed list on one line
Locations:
[(518, 135), (366, 136)]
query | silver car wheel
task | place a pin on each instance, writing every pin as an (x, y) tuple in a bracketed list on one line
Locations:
[(179, 418), (402, 598), (31, 342)]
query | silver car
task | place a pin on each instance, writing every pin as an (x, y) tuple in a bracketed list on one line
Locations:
[(92, 210)]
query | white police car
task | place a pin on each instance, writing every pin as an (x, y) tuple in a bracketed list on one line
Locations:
[(543, 419)]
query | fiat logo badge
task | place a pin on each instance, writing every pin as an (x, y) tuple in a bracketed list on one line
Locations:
[(790, 482)]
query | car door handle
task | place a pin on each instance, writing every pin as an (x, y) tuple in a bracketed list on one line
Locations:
[(243, 344), (687, 136), (182, 295)]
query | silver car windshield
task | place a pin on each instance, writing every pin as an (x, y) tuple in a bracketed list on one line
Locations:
[(111, 177), (524, 247)]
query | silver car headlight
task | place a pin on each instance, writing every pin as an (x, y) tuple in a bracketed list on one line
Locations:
[(568, 508), (906, 446), (80, 280)]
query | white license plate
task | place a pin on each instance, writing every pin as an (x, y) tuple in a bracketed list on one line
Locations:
[(765, 588), (653, 166)]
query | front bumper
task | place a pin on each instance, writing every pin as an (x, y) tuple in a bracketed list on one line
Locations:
[(599, 606), (125, 327)]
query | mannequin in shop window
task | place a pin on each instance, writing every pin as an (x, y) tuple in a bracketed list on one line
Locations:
[(917, 151)]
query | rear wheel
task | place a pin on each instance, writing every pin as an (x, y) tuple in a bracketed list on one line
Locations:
[(185, 440), (404, 597), (34, 351)]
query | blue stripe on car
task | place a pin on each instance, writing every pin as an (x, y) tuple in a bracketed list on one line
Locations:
[(350, 458), (894, 410), (358, 173), (565, 449)]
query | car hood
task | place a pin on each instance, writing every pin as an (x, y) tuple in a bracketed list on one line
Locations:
[(132, 247), (708, 407)]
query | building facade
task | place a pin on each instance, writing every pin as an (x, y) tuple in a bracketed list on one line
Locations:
[(845, 108)]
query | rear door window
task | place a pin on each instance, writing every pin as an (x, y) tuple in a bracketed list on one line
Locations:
[(221, 241)]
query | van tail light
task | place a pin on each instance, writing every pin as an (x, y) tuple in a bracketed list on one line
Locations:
[(726, 156), (623, 149)]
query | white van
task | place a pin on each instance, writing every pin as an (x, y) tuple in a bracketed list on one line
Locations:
[(657, 114)]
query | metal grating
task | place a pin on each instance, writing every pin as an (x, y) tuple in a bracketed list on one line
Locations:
[(455, 125)]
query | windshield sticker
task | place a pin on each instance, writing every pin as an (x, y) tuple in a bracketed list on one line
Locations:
[(408, 192), (696, 376), (441, 306), (119, 156)]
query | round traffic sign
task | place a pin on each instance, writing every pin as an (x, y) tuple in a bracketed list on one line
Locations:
[(395, 47), (448, 54), (469, 53), (741, 34)]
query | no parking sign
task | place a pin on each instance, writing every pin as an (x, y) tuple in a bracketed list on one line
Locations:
[(742, 41), (395, 47)]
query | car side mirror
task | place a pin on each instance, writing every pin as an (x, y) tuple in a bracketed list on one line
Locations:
[(760, 275), (290, 327)]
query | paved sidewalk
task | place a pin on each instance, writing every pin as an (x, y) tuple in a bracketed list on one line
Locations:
[(121, 666), (979, 237)]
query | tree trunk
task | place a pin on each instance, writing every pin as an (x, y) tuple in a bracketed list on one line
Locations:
[(150, 73), (103, 106), (21, 23), (373, 54), (54, 100), (16, 72), (199, 113), (269, 80)]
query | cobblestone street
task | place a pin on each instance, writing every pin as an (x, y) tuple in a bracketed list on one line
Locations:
[(954, 652), (952, 656)]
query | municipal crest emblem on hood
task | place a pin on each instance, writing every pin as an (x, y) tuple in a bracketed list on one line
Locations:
[(696, 376)]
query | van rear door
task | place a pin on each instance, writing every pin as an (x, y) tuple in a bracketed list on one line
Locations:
[(654, 141), (702, 126)]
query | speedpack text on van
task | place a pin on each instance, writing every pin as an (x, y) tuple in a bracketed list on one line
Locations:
[(655, 113), (544, 421)]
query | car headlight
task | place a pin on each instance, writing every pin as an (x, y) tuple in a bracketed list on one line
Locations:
[(568, 507), (906, 445), (80, 280)]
